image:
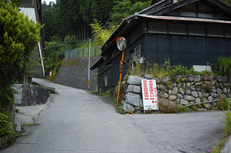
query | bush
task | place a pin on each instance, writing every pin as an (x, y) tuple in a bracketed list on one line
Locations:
[(5, 125), (222, 103), (168, 107), (226, 119), (223, 66)]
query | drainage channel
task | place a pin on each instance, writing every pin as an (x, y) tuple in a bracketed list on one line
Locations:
[(53, 92)]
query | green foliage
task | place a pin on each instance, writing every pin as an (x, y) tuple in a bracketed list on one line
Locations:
[(194, 108), (101, 34), (18, 38), (5, 125), (125, 8), (226, 119), (223, 66), (26, 124), (138, 69), (168, 108), (183, 109), (105, 94), (227, 2), (222, 103)]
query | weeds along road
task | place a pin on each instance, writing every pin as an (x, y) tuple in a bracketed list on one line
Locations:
[(78, 121)]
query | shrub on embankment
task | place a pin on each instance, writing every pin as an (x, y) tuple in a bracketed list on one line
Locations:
[(18, 38)]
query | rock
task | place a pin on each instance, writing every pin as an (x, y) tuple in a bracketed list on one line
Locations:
[(189, 98), (207, 78), (200, 94), (184, 102), (163, 94), (194, 94), (198, 83), (221, 86), (157, 80), (133, 88), (213, 82), (197, 78), (165, 79), (201, 109), (214, 89), (208, 106), (178, 77), (182, 91), (229, 90), (184, 85), (197, 100), (192, 88), (138, 112), (219, 91), (134, 80), (188, 92), (127, 107), (164, 102), (225, 79), (170, 92), (207, 83), (133, 99), (210, 98), (229, 95), (163, 88), (206, 95), (147, 76), (189, 78), (169, 86), (222, 95), (197, 88), (216, 85), (174, 90), (174, 84), (214, 95), (188, 84), (180, 96), (179, 85), (172, 97), (219, 78), (225, 91)]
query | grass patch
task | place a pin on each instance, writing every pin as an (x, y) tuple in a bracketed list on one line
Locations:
[(25, 124)]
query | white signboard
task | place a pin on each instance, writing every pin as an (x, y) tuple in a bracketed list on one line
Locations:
[(149, 92)]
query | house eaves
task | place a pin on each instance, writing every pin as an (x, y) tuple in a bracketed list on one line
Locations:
[(182, 3)]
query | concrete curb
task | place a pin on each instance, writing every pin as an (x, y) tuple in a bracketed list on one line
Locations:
[(227, 147)]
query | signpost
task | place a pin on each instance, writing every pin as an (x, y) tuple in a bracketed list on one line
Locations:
[(149, 91), (121, 45)]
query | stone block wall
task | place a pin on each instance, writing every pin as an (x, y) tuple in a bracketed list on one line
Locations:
[(184, 90)]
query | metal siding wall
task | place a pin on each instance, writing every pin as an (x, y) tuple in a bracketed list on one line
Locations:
[(113, 75), (185, 50)]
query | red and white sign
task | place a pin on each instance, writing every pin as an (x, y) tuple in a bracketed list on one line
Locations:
[(149, 92)]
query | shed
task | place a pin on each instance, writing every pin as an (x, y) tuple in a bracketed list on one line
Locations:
[(189, 32)]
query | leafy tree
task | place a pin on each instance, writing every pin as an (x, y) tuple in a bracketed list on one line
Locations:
[(100, 34), (227, 2), (126, 8), (18, 38)]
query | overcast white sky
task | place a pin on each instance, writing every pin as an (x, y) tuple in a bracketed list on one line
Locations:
[(48, 1)]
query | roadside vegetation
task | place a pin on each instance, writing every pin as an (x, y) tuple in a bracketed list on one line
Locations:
[(18, 38)]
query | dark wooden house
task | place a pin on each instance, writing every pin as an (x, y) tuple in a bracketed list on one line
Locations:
[(189, 32)]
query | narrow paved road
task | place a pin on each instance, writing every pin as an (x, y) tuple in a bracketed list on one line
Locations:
[(78, 121)]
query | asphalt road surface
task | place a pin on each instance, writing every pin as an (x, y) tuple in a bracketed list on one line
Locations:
[(78, 121)]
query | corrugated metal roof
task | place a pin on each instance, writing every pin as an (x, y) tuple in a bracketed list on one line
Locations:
[(184, 19)]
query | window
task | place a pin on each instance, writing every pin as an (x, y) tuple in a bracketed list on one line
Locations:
[(136, 55)]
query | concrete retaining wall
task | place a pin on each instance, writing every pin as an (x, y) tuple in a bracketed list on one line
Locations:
[(74, 72)]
